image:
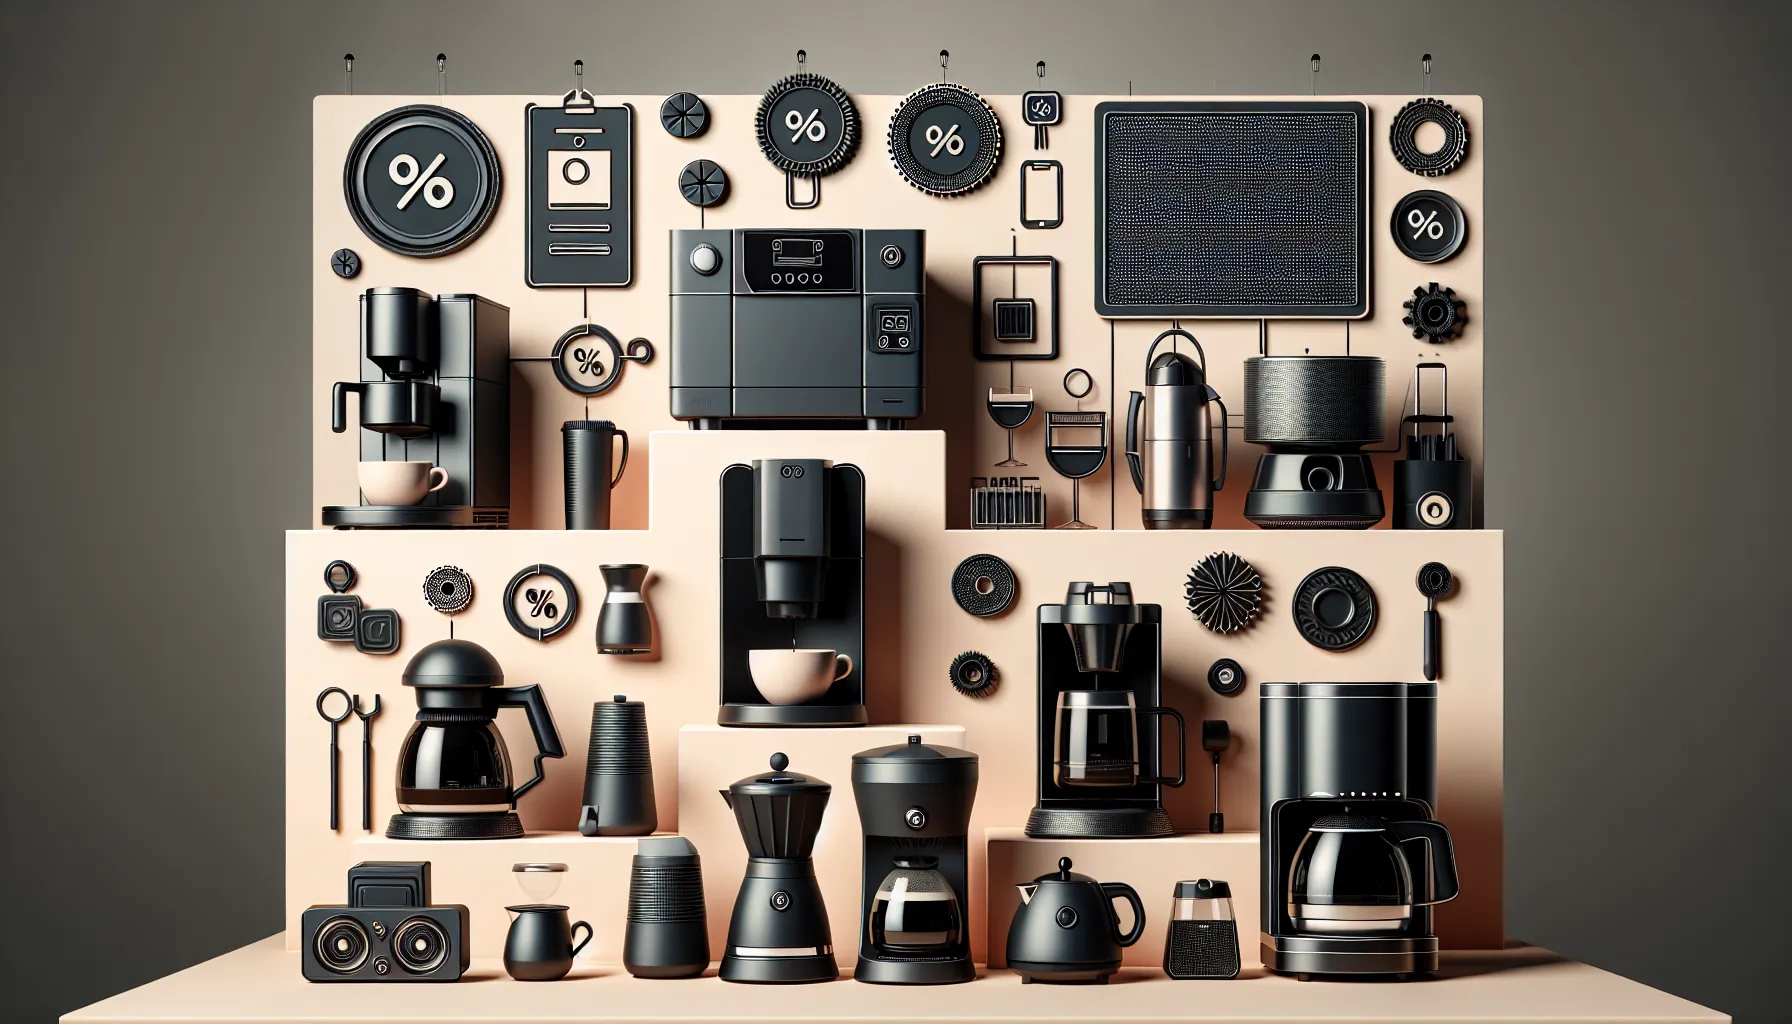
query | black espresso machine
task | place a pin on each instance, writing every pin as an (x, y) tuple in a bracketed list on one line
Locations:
[(1353, 858), (797, 328)]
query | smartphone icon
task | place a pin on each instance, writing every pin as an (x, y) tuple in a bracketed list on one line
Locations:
[(1041, 194)]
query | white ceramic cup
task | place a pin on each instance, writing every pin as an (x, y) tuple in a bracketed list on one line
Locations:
[(399, 483), (796, 677)]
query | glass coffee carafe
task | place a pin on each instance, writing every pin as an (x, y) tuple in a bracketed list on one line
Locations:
[(1098, 740), (915, 913)]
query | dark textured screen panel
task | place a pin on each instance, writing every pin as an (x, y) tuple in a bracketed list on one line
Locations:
[(1208, 211)]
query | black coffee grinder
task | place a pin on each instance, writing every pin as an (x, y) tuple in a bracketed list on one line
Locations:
[(779, 931), (434, 387), (915, 809), (793, 577), (1353, 859), (1099, 664), (454, 771)]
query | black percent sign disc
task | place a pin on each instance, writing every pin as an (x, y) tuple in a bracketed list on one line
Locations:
[(588, 359), (421, 180), (807, 125), (945, 140), (1428, 226), (540, 601)]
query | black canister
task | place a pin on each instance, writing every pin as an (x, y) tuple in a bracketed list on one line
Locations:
[(624, 624), (619, 772), (586, 447), (1203, 938), (668, 933)]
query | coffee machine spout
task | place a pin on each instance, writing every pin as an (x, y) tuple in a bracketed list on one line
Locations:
[(727, 798), (1027, 889)]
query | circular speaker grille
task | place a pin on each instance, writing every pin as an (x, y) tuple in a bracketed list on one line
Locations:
[(983, 585), (341, 945), (1334, 608), (420, 945), (1314, 401)]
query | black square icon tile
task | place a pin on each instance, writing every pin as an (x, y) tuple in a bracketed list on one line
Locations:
[(377, 632), (1014, 319), (336, 617)]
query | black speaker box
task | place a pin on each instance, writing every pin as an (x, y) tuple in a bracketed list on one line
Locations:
[(384, 943)]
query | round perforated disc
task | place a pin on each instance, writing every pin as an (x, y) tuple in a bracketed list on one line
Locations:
[(984, 585)]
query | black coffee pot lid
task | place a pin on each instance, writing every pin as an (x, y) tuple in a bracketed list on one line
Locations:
[(779, 782), (453, 663), (912, 751), (1203, 889), (587, 425), (1348, 823), (1174, 369), (1063, 874)]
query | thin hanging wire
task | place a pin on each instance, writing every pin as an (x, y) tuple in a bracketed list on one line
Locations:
[(1313, 78), (945, 58), (441, 74), (1425, 63), (348, 74)]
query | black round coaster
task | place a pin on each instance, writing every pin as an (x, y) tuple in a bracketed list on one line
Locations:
[(984, 585), (1448, 156), (1334, 608), (421, 180)]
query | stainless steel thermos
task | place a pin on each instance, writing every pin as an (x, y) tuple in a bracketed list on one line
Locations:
[(1170, 452)]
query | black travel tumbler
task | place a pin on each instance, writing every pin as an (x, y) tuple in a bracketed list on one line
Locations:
[(586, 447)]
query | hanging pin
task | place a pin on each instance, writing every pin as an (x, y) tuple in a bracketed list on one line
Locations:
[(441, 74), (1315, 76), (578, 76), (1039, 69), (802, 57), (348, 74), (945, 56), (1425, 62), (1042, 109)]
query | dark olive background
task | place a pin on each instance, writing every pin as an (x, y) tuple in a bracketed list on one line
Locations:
[(155, 166)]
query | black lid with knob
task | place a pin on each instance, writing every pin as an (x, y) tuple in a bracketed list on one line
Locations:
[(914, 763), (453, 663), (779, 782), (1063, 874), (1203, 889)]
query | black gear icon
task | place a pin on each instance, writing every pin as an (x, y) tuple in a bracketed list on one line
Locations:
[(1435, 313), (844, 146), (973, 674)]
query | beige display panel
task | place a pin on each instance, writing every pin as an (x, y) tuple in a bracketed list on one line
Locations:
[(913, 631), (868, 193)]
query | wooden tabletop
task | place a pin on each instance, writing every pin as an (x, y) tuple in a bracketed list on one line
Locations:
[(260, 983)]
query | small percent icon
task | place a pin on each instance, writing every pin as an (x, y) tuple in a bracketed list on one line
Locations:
[(1425, 224), (810, 126), (947, 140), (437, 190), (588, 360), (540, 603)]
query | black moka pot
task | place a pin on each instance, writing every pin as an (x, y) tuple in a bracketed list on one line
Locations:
[(454, 772)]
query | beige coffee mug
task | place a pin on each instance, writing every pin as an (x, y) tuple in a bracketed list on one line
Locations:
[(796, 677), (399, 483)]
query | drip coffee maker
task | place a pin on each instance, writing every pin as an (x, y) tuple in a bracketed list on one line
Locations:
[(1099, 671), (779, 930), (434, 388), (453, 770), (914, 804)]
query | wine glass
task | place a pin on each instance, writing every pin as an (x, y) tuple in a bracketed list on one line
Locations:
[(1010, 409), (1063, 432)]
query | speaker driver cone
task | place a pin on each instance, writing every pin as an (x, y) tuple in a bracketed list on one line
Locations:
[(420, 945), (341, 945)]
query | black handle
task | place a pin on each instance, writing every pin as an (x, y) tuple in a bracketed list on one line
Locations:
[(1444, 885), (541, 724), (1132, 441), (366, 780), (335, 801), (574, 930), (623, 463), (1117, 890), (1181, 749), (1225, 460), (339, 403), (1433, 643)]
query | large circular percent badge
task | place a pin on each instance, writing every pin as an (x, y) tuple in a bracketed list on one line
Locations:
[(807, 125), (421, 180), (945, 140)]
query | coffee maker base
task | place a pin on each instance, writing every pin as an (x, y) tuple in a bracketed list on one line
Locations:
[(499, 825), (1059, 974), (414, 517), (1098, 823), (779, 970), (914, 972), (1330, 955), (785, 716)]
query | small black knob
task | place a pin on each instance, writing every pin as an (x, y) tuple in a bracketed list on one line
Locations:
[(1064, 868), (780, 762), (1066, 917), (620, 698)]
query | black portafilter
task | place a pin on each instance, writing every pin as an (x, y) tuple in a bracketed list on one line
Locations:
[(667, 934), (619, 772), (1216, 736)]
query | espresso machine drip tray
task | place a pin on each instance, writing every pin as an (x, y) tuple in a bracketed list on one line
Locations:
[(410, 517), (1098, 823)]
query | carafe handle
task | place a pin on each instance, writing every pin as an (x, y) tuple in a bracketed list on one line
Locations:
[(574, 930), (1181, 749), (541, 725), (1444, 884), (1219, 483), (339, 403), (622, 463), (1118, 890), (1132, 441)]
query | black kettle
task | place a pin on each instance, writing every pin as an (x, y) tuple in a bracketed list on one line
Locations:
[(1351, 875), (454, 775), (1066, 930)]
